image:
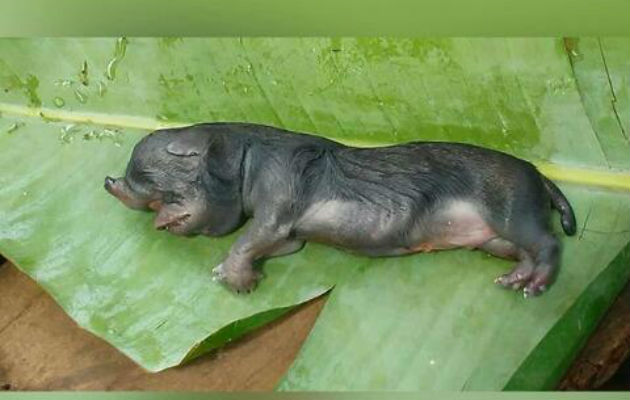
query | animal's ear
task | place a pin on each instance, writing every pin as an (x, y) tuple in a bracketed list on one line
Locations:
[(187, 145), (224, 157)]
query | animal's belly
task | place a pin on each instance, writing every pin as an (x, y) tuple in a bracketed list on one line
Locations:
[(458, 224), (393, 231), (353, 225)]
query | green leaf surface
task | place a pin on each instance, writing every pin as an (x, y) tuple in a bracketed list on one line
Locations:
[(146, 292), (437, 322), (72, 109), (601, 68)]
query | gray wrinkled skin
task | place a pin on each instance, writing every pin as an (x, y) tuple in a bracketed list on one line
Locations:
[(209, 178)]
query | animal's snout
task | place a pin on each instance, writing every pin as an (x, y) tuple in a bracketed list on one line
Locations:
[(117, 188), (109, 183)]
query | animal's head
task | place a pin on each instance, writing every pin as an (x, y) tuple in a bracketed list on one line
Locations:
[(189, 176)]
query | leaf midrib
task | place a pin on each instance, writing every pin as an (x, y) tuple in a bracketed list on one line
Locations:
[(615, 180)]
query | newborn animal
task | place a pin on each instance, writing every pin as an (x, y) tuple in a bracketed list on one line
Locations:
[(416, 197)]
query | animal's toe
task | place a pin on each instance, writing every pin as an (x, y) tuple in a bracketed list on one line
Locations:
[(243, 289), (218, 274), (531, 291), (518, 277), (514, 280), (535, 287), (218, 269)]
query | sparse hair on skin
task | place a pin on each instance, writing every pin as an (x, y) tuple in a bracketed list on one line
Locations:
[(414, 197)]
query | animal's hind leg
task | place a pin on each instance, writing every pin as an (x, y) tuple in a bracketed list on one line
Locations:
[(546, 254), (537, 267), (523, 219), (522, 271), (520, 275), (502, 248)]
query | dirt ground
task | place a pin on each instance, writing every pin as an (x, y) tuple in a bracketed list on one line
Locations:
[(41, 348), (603, 361)]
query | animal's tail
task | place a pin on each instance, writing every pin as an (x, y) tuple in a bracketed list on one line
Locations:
[(560, 203)]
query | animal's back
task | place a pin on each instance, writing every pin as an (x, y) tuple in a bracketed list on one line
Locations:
[(423, 171)]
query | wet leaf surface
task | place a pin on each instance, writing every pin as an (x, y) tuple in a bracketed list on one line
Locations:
[(419, 322)]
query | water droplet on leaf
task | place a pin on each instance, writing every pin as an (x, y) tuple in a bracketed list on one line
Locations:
[(68, 132), (14, 127), (83, 74), (82, 97), (59, 102), (90, 135), (114, 135), (119, 54), (102, 88), (64, 82)]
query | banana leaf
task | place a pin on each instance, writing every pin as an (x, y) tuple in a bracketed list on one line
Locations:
[(72, 110)]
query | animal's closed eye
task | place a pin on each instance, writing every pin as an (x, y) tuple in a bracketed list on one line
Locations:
[(183, 149)]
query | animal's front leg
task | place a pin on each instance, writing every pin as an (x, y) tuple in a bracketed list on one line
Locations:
[(237, 270), (238, 274)]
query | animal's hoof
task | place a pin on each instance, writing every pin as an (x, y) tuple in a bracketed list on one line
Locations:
[(533, 289), (518, 278), (218, 274), (531, 286), (514, 281), (239, 281), (245, 283)]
